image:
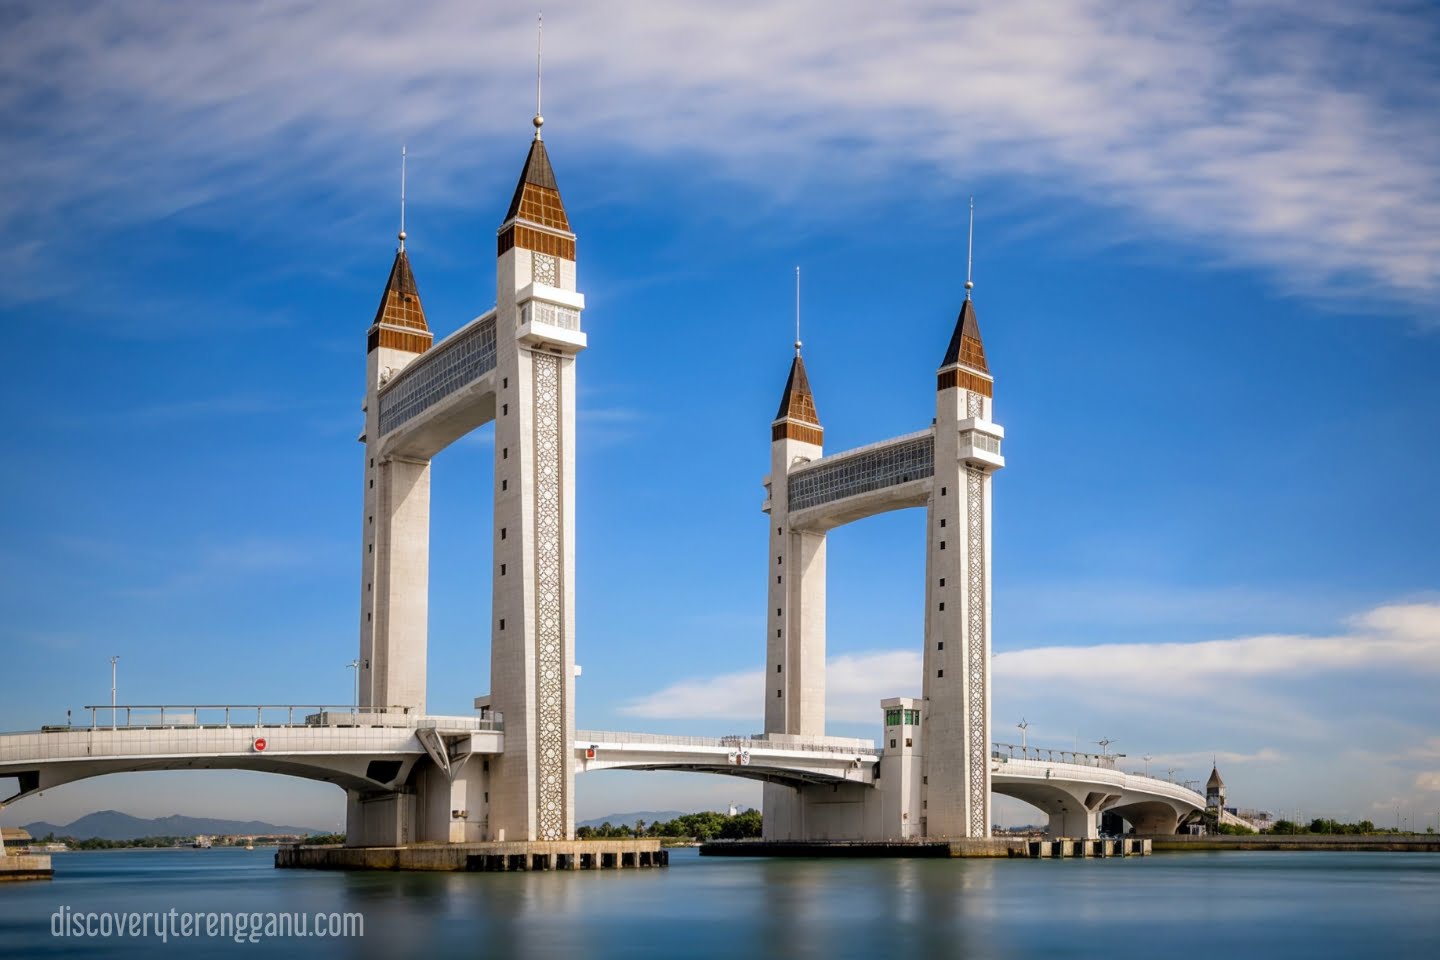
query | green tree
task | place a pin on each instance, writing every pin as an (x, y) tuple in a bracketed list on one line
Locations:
[(742, 826)]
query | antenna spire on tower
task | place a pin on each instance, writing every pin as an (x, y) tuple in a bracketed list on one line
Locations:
[(402, 196), (970, 252), (539, 120), (797, 310)]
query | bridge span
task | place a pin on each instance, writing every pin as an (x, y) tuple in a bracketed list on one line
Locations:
[(1073, 789), (365, 752), (856, 788)]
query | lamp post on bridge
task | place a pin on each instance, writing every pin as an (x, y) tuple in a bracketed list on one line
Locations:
[(355, 702), (113, 660), (1147, 764), (1024, 752)]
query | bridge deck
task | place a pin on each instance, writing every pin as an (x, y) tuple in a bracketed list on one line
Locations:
[(365, 751)]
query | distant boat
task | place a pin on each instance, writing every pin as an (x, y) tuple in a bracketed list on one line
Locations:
[(249, 844), (202, 843)]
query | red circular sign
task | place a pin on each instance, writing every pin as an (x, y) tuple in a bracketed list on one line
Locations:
[(260, 744)]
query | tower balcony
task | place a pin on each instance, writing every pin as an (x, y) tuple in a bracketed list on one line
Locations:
[(979, 443), (550, 317)]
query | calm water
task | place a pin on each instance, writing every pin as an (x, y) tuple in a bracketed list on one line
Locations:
[(1272, 905)]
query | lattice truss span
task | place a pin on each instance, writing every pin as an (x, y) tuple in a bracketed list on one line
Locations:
[(458, 361), (889, 465)]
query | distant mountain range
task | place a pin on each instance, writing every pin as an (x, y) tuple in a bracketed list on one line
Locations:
[(628, 819), (114, 825)]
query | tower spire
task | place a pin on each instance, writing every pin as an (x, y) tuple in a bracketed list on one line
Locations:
[(402, 197), (970, 251), (539, 120), (797, 417), (797, 310)]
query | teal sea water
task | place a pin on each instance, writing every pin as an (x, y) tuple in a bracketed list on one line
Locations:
[(1272, 905)]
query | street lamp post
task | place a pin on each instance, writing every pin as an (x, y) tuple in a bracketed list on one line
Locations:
[(1023, 725), (1147, 764), (355, 703), (113, 660)]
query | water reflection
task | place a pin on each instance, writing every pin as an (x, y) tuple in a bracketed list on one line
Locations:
[(1254, 904)]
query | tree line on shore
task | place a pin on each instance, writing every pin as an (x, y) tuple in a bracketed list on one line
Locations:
[(1325, 825), (708, 825)]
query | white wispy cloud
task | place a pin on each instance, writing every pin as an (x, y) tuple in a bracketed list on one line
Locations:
[(215, 566), (1293, 135), (1403, 637), (855, 684)]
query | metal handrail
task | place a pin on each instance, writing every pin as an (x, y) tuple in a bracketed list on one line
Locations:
[(1005, 751), (761, 743), (1008, 751), (167, 716)]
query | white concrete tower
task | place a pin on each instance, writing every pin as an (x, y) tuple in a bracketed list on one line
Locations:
[(795, 618), (532, 653), (956, 689), (395, 544)]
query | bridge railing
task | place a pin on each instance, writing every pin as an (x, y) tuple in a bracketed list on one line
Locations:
[(1015, 751), (169, 716), (584, 737)]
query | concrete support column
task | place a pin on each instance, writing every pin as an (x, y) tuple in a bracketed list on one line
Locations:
[(379, 819), (1156, 819), (1076, 822), (396, 610)]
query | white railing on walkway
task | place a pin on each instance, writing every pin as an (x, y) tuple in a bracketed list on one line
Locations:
[(586, 737), (1041, 757), (170, 716), (1015, 751)]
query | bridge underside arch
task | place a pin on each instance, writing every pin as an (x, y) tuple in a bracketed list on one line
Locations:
[(789, 778), (361, 773), (1151, 816)]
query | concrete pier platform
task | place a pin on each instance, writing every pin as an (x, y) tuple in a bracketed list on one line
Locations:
[(480, 857), (991, 848), (25, 866), (1065, 848)]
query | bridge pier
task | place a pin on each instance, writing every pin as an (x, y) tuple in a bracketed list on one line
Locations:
[(379, 819), (433, 806), (1079, 823), (822, 811), (1151, 818)]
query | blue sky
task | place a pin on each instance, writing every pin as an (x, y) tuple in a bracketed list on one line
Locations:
[(1207, 270)]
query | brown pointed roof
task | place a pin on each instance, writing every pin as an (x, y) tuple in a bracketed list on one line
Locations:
[(797, 402), (965, 346), (400, 303), (537, 197), (1214, 780)]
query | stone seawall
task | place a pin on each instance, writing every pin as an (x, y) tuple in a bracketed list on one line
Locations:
[(25, 867), (1419, 843)]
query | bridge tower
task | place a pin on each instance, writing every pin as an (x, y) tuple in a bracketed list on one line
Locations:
[(395, 542), (795, 638), (946, 469), (955, 797), (532, 648), (795, 615)]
